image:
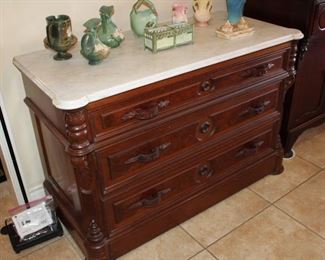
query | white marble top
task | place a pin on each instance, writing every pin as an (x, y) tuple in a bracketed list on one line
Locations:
[(73, 83)]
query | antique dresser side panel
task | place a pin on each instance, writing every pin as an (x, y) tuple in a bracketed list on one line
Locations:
[(65, 146)]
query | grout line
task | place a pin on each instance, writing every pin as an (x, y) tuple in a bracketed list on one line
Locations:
[(237, 227), (259, 212), (201, 252), (212, 254), (314, 164), (300, 184), (301, 223), (192, 236), (196, 254), (293, 189), (259, 195)]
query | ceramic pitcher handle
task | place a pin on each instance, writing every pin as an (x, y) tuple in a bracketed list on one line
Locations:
[(146, 3)]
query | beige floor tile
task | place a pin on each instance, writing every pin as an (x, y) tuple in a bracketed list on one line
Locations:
[(220, 219), (296, 171), (60, 249), (74, 244), (311, 132), (204, 255), (270, 235), (307, 204), (174, 244), (312, 147), (7, 199)]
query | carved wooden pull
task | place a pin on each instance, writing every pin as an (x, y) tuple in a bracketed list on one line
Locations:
[(258, 71), (252, 149), (148, 113), (255, 110), (151, 200), (154, 154)]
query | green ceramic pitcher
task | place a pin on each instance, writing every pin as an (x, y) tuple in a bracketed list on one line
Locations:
[(143, 14), (91, 47)]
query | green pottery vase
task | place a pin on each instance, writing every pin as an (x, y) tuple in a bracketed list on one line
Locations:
[(143, 14), (59, 35), (91, 47), (108, 32)]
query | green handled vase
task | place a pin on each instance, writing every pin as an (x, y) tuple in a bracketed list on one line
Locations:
[(143, 14)]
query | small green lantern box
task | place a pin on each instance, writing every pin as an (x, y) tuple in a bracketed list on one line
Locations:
[(168, 36), (158, 38), (183, 33)]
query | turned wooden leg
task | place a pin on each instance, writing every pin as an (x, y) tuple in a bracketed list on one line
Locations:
[(95, 244)]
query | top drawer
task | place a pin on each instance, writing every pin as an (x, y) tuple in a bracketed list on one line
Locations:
[(135, 108)]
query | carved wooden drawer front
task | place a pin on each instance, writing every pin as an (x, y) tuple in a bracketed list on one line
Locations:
[(126, 159), (184, 182), (154, 103)]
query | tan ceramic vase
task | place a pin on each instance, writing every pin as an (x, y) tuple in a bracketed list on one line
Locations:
[(202, 12)]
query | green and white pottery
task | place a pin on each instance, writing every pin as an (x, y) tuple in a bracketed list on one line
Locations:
[(91, 47), (108, 32)]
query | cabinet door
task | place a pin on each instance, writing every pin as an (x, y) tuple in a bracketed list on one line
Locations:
[(288, 13), (319, 21), (309, 92)]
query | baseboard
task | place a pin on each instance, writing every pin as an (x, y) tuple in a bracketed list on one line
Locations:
[(36, 192)]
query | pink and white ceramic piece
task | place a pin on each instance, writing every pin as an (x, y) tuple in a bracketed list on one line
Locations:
[(179, 13)]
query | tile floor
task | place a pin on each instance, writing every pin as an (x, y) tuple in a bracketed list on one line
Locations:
[(279, 217)]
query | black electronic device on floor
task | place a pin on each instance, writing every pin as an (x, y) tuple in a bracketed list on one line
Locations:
[(18, 245)]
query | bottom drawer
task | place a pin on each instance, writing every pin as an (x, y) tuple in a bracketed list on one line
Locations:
[(123, 240), (220, 164)]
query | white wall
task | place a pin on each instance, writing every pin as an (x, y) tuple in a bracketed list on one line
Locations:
[(22, 30)]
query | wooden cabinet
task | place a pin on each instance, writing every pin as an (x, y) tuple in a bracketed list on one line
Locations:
[(126, 161), (305, 102)]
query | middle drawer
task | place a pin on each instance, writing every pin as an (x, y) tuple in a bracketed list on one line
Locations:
[(210, 167), (136, 154)]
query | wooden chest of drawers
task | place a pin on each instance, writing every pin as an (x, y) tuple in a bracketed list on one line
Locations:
[(125, 168)]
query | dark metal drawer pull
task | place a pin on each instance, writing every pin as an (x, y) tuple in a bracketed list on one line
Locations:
[(258, 71), (255, 110), (151, 200), (205, 127), (204, 172), (207, 86), (252, 149), (154, 154), (145, 114)]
